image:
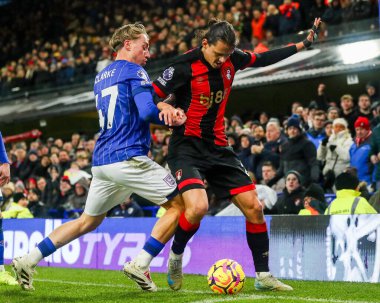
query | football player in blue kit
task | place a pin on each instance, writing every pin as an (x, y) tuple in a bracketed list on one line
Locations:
[(124, 101), (5, 277)]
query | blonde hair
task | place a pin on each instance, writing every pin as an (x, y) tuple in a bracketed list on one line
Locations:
[(126, 32), (346, 97)]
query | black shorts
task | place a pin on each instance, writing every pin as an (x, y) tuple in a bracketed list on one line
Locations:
[(192, 160)]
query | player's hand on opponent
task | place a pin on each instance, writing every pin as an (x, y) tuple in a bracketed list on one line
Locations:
[(172, 116), (180, 117), (313, 33), (5, 174)]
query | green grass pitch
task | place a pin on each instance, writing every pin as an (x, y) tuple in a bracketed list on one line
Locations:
[(62, 285)]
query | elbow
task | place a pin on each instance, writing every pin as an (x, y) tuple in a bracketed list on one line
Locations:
[(147, 117)]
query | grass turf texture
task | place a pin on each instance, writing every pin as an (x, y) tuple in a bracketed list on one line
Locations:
[(81, 285)]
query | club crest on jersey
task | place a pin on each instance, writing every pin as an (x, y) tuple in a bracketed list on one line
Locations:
[(168, 73), (178, 174), (227, 73), (169, 180)]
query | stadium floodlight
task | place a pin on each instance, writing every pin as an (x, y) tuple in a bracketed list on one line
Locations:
[(352, 53)]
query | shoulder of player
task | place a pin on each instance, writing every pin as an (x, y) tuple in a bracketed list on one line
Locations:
[(241, 53)]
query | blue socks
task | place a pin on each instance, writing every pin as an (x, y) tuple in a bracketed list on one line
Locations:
[(1, 243), (46, 247), (153, 247)]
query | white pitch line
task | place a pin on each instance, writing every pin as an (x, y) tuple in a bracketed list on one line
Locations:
[(285, 298), (129, 286), (217, 299)]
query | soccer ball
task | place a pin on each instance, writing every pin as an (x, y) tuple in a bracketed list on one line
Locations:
[(226, 276)]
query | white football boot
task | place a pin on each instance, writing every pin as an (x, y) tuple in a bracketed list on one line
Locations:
[(24, 273), (142, 278), (175, 275), (265, 281)]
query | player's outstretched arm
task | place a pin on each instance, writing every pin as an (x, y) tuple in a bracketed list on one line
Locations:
[(312, 37), (276, 55)]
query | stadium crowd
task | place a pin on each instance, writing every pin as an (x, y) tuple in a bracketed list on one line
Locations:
[(57, 45), (300, 156)]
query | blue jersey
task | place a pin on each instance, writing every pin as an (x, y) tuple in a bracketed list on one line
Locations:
[(123, 133)]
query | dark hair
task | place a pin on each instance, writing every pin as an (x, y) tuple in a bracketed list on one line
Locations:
[(268, 163), (218, 31)]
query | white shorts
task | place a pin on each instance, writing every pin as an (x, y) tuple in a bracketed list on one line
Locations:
[(112, 184)]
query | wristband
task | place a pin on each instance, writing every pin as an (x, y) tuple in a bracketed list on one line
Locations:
[(307, 43)]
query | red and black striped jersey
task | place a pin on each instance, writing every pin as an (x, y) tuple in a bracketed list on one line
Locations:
[(202, 92)]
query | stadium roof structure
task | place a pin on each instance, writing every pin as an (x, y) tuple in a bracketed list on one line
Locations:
[(360, 53)]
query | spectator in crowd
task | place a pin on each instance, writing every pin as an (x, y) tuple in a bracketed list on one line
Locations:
[(375, 108), (32, 162), (372, 92), (62, 197), (271, 150), (362, 187), (375, 201), (360, 150), (45, 190), (290, 202), (272, 20), (348, 111), (19, 187), (129, 208), (322, 99), (328, 128), (364, 107), (295, 106), (19, 164), (263, 119), (333, 14), (162, 155), (316, 133), (104, 60), (42, 167), (19, 208), (334, 152), (158, 138), (75, 141), (236, 122), (64, 160), (314, 201), (233, 141), (36, 206), (257, 23), (332, 113), (7, 191), (348, 200), (375, 154), (83, 161), (259, 135), (268, 173), (290, 17), (298, 154), (317, 10), (244, 153), (78, 199)]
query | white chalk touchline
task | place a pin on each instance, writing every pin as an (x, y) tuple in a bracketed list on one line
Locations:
[(217, 299), (266, 297), (131, 285)]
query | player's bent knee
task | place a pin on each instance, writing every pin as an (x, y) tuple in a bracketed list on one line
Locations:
[(89, 223), (197, 211)]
